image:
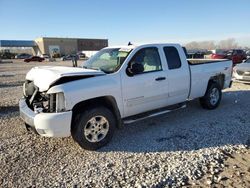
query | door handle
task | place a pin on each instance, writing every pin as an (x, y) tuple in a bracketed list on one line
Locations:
[(160, 78)]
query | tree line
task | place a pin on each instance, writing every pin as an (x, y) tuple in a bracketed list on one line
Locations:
[(229, 43)]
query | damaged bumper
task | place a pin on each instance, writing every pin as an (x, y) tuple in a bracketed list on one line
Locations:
[(46, 124)]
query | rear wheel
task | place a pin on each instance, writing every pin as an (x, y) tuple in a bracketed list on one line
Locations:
[(93, 128), (212, 98)]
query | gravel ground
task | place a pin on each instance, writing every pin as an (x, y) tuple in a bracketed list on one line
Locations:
[(173, 150)]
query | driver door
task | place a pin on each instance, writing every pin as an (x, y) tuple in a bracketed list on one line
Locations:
[(146, 90)]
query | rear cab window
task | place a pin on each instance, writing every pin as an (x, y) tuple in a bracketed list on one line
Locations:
[(172, 57)]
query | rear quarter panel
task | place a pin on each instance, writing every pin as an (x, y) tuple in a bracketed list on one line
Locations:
[(202, 73)]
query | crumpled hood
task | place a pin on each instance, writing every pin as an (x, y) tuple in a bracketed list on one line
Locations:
[(44, 76)]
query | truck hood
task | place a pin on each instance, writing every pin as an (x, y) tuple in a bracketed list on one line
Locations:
[(46, 76)]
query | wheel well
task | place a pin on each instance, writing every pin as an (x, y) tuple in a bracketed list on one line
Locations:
[(106, 101), (220, 79)]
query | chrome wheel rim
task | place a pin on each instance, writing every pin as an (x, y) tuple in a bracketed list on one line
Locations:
[(96, 129), (214, 96)]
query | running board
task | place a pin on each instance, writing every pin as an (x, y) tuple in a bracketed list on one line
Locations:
[(153, 113)]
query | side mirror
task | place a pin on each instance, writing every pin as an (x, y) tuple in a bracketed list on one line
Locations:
[(135, 68)]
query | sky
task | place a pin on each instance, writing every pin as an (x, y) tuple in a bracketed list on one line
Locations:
[(138, 21)]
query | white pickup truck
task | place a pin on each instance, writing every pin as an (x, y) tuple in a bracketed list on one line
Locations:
[(116, 86)]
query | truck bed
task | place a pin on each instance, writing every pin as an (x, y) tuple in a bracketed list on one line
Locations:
[(203, 70), (204, 61)]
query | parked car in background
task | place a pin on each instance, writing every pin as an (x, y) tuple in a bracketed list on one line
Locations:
[(241, 72), (7, 55), (81, 55), (248, 54), (208, 54), (22, 56), (34, 58), (195, 55), (69, 57), (236, 55), (218, 54), (46, 56)]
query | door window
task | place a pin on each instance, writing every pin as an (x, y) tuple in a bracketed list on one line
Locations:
[(149, 58)]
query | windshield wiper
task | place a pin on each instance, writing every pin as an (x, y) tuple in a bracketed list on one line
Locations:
[(85, 67), (98, 69)]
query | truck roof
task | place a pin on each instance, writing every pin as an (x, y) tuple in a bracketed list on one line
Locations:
[(144, 44)]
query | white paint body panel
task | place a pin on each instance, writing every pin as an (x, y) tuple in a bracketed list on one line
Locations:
[(53, 124), (84, 89), (200, 75)]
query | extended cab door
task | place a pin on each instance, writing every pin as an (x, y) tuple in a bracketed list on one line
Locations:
[(178, 74), (147, 89)]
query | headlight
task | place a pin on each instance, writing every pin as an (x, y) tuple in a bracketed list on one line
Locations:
[(57, 102), (239, 72), (60, 102), (28, 88)]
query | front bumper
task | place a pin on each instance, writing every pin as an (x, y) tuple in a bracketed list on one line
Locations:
[(46, 124), (241, 81)]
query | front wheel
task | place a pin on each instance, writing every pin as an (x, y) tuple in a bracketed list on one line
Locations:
[(93, 128), (212, 98)]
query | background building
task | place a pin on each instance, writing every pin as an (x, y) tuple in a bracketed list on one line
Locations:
[(60, 46), (63, 46)]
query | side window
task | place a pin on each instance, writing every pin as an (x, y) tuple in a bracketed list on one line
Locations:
[(149, 58), (172, 56)]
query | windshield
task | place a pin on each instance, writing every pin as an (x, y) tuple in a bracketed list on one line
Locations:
[(108, 60)]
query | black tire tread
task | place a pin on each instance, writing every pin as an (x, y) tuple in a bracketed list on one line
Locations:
[(80, 120), (205, 100)]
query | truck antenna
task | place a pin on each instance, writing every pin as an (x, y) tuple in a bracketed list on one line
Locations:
[(130, 44)]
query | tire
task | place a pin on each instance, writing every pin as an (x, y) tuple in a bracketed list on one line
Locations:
[(212, 97), (93, 128)]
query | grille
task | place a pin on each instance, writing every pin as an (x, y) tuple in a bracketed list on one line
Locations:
[(247, 73)]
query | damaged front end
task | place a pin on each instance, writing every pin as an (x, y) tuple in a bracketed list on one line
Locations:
[(44, 113), (41, 101), (44, 109)]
